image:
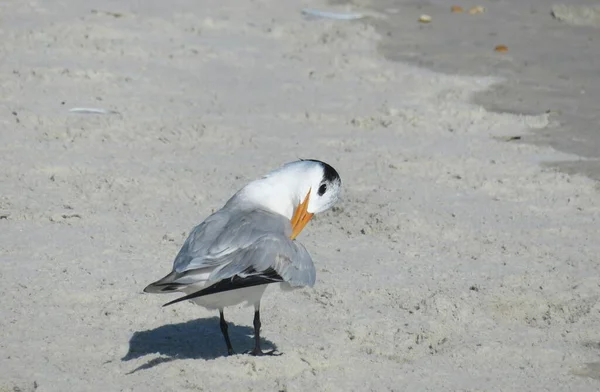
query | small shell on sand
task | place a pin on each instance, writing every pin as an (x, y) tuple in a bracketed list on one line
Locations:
[(456, 9), (424, 18), (476, 10), (501, 48)]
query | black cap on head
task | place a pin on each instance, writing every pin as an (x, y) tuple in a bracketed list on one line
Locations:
[(329, 173)]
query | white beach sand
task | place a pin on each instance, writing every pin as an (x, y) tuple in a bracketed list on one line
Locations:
[(454, 261)]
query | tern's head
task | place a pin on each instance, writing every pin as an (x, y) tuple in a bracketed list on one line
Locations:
[(318, 184), (298, 190)]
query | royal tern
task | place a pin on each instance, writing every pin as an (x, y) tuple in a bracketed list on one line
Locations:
[(233, 255)]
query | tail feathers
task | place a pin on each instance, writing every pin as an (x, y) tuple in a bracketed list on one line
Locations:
[(155, 288), (175, 281), (165, 285)]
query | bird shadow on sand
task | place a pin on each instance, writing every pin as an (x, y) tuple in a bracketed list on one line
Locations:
[(196, 339)]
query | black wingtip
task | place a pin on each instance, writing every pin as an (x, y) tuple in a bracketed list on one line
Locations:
[(175, 301), (186, 297), (267, 277), (189, 296)]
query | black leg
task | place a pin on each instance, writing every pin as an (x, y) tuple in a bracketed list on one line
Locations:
[(257, 351), (224, 328)]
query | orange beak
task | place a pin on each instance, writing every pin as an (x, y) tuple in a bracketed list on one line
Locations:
[(301, 217)]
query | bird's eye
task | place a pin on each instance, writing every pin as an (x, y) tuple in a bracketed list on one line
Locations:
[(322, 189)]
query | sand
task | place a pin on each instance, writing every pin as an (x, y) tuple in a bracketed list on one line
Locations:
[(454, 261), (550, 66)]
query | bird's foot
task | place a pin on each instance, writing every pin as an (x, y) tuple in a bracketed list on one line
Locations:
[(230, 352), (257, 352)]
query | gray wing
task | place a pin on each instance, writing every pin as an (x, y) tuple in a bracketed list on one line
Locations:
[(250, 245), (271, 254)]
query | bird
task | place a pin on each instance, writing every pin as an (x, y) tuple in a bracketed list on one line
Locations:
[(232, 256)]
